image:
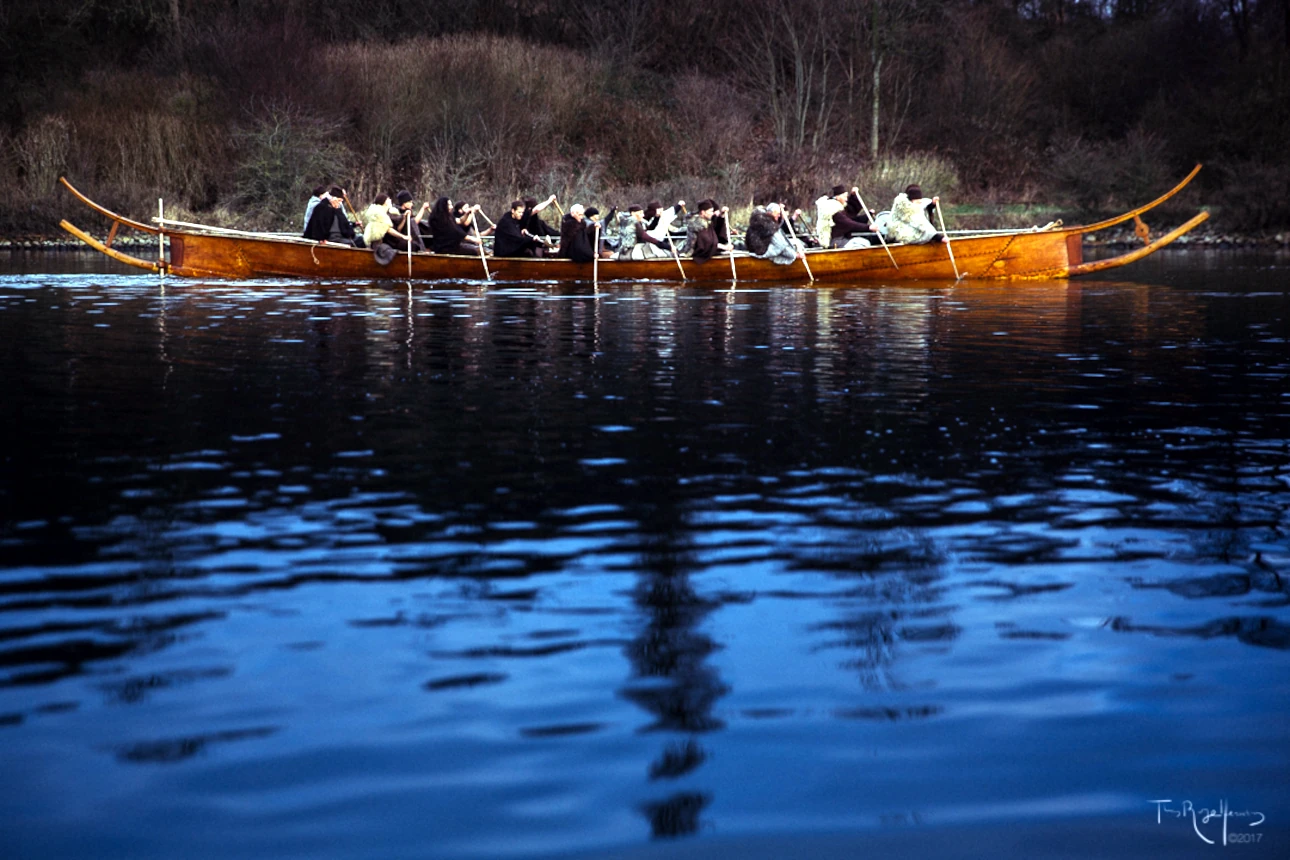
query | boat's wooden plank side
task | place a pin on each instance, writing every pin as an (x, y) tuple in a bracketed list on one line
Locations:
[(1002, 256)]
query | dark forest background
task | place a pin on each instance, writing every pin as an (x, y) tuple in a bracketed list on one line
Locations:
[(233, 110)]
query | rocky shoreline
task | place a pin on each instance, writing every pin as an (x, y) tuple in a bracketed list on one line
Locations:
[(1114, 238)]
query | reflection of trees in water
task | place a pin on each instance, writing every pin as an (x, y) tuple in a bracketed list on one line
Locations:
[(678, 815), (897, 600), (671, 678), (1257, 630)]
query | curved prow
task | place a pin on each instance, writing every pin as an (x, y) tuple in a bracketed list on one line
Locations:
[(1119, 219), (111, 252), (120, 219), (1138, 253)]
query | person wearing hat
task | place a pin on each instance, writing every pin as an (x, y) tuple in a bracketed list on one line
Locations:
[(658, 223), (825, 208), (607, 246), (704, 230), (909, 223), (405, 224), (635, 239)]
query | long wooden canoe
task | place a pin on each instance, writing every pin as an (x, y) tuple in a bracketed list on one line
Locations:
[(196, 251)]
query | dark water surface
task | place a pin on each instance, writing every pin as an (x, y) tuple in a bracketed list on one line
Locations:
[(358, 570)]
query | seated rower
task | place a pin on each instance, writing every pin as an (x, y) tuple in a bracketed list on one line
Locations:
[(314, 200), (377, 226), (406, 224), (634, 238), (909, 222), (510, 237), (852, 225), (766, 237), (329, 224), (450, 236), (825, 208), (461, 212), (658, 223), (575, 243), (533, 223), (703, 231), (596, 231)]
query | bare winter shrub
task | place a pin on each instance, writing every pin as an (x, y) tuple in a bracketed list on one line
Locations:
[(477, 108), (1140, 174), (636, 139), (713, 124), (284, 151), (1109, 175), (983, 104), (1076, 170), (571, 183), (42, 151), (132, 145), (1256, 196)]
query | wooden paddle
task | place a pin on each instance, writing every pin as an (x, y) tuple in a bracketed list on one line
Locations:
[(875, 228), (161, 240), (730, 239), (480, 241), (595, 260), (676, 256), (948, 249), (352, 210), (789, 221)]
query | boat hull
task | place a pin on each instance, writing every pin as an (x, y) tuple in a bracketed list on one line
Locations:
[(1049, 253)]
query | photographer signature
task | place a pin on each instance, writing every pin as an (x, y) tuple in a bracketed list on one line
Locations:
[(1202, 816)]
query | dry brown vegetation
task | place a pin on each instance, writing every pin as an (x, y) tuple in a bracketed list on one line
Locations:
[(1087, 105)]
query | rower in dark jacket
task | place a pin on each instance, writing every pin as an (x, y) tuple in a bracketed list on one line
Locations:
[(575, 243), (450, 235), (852, 222), (328, 224), (510, 239), (533, 223)]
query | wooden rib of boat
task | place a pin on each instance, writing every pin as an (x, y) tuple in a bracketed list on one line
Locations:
[(209, 252)]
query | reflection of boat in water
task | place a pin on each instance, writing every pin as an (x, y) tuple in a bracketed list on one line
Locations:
[(1054, 252)]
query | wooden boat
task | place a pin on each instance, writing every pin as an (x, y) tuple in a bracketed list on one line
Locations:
[(197, 251)]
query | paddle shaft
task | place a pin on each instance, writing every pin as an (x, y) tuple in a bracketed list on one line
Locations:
[(480, 241), (948, 249), (730, 239), (676, 256), (352, 210), (789, 221), (161, 240), (876, 230)]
